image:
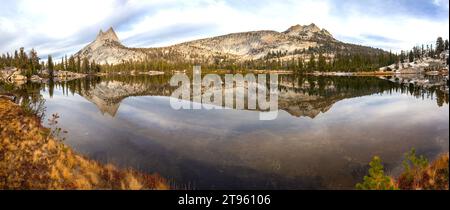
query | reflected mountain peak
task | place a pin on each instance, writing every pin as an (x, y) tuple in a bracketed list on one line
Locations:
[(108, 95), (300, 96), (233, 145)]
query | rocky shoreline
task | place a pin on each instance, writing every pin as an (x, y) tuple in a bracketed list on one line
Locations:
[(14, 75)]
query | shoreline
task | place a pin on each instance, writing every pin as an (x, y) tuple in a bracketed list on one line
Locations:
[(372, 73), (32, 158), (67, 76), (418, 174)]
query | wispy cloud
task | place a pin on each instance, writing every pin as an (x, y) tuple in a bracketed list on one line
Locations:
[(59, 27)]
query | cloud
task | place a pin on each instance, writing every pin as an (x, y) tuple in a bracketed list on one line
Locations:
[(379, 38), (63, 27), (167, 35)]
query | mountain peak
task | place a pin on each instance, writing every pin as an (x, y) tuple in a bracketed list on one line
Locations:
[(312, 27), (325, 32), (295, 29), (253, 45), (109, 35), (306, 31)]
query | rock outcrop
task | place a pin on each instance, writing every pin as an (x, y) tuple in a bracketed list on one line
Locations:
[(107, 48), (309, 32)]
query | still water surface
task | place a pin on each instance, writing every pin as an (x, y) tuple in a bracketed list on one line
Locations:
[(327, 130)]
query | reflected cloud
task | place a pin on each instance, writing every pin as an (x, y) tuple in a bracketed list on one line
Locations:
[(327, 131)]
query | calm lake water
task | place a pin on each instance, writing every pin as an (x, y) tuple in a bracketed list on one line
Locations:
[(327, 130)]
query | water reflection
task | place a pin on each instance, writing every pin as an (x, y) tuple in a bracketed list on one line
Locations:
[(327, 130), (299, 95)]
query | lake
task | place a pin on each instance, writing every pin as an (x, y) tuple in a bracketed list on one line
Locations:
[(327, 130)]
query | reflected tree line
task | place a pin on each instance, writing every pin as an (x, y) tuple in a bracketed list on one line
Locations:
[(326, 86), (29, 95)]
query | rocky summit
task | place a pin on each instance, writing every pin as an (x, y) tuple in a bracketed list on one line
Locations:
[(294, 42), (107, 48), (309, 32)]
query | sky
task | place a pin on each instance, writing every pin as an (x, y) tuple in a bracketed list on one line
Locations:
[(61, 27)]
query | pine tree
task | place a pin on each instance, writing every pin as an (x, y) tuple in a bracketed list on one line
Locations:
[(402, 56), (42, 65), (65, 62), (50, 66), (62, 67), (23, 59), (423, 52), (300, 65), (312, 63), (440, 46), (85, 66), (321, 63), (431, 51), (16, 59), (34, 62), (411, 56), (376, 180), (78, 65), (71, 66)]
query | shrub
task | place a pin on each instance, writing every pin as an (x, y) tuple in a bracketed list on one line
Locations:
[(418, 174), (412, 165), (376, 180)]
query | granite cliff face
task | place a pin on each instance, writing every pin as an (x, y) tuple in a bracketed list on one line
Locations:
[(309, 32), (257, 44), (107, 48)]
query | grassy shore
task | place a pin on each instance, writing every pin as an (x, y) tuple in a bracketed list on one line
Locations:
[(30, 158), (418, 174), (432, 176)]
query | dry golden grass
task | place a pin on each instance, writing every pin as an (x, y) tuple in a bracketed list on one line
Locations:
[(432, 177), (30, 160)]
